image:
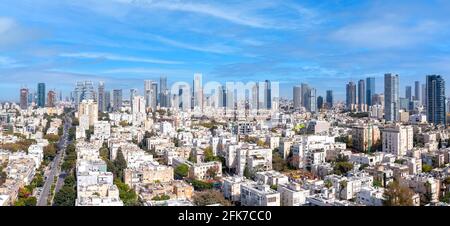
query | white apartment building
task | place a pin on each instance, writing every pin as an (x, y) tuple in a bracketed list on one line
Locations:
[(370, 196), (102, 130), (253, 194), (272, 177), (231, 187), (292, 194), (397, 140)]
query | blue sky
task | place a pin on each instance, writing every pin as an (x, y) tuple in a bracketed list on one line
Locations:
[(122, 42)]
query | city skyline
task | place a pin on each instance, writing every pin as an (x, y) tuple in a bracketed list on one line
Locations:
[(286, 41)]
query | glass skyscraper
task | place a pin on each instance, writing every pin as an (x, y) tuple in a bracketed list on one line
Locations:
[(370, 90), (41, 95), (329, 99), (391, 97), (435, 87)]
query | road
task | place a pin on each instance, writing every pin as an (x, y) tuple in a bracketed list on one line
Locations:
[(55, 166)]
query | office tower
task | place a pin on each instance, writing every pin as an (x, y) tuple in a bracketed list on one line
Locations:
[(51, 98), (397, 140), (117, 99), (370, 90), (424, 95), (84, 90), (24, 98), (417, 90), (268, 94), (41, 95), (31, 97), (223, 95), (107, 103), (329, 99), (255, 96), (151, 94), (312, 100), (319, 102), (391, 97), (404, 103), (87, 113), (297, 97), (408, 93), (361, 95), (305, 95), (198, 92), (163, 92), (436, 99), (101, 97), (133, 93), (351, 96)]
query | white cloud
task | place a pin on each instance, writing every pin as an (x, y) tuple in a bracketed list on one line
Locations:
[(115, 57), (7, 62), (387, 34), (11, 33)]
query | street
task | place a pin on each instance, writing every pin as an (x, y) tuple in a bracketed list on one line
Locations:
[(55, 165)]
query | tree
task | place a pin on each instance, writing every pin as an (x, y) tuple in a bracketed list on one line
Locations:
[(328, 184), (2, 176), (212, 172), (210, 197), (209, 155), (126, 194), (342, 168), (50, 151), (377, 184), (182, 170), (104, 153), (123, 123), (120, 164), (52, 138), (161, 197), (278, 162), (426, 168), (397, 195), (67, 194), (201, 185)]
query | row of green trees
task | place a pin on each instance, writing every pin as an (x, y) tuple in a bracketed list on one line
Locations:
[(117, 168)]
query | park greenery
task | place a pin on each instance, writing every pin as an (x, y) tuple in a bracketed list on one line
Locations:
[(398, 195)]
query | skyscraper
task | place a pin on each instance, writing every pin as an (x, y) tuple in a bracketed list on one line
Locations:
[(436, 99), (391, 98), (417, 90), (424, 95), (319, 102), (370, 90), (268, 94), (329, 99), (117, 99), (361, 95), (101, 97), (198, 92), (312, 100), (41, 95), (151, 94), (107, 104), (306, 101), (133, 93), (24, 98), (84, 90), (408, 93), (163, 92), (51, 98), (351, 96), (297, 96)]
